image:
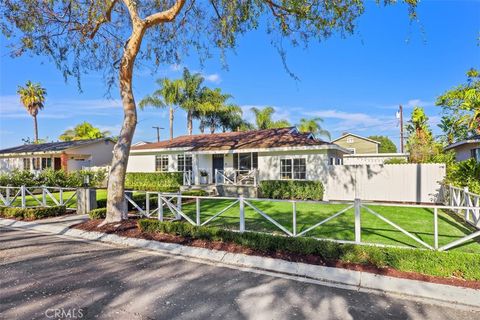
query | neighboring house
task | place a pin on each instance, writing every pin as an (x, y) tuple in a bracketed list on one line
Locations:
[(364, 150), (466, 149), (67, 155), (357, 144), (239, 158)]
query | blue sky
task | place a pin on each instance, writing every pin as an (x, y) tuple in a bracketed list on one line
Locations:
[(354, 83)]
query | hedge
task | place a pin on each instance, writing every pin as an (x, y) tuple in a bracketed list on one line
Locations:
[(99, 213), (32, 213), (53, 178), (429, 262), (291, 189), (154, 181)]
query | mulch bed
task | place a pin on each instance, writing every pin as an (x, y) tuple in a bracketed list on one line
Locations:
[(129, 228)]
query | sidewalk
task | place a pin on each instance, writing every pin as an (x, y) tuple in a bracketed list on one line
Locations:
[(343, 278)]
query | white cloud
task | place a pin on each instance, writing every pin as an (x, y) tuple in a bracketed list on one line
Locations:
[(214, 77), (408, 104)]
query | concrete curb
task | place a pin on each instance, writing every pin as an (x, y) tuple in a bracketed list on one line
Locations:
[(350, 279)]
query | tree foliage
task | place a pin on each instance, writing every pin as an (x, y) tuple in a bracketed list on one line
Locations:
[(313, 126), (461, 106), (32, 96), (83, 131), (264, 119), (386, 145), (420, 144)]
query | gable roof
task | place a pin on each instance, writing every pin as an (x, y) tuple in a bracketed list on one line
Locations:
[(261, 139), (472, 139), (50, 146), (356, 135)]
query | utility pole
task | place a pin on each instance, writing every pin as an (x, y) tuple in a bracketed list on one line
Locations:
[(400, 111), (158, 132)]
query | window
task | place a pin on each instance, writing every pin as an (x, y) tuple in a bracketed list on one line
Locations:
[(338, 161), (293, 169), (46, 163), (245, 161), (184, 162), (350, 140), (36, 163), (26, 164), (331, 161), (161, 163), (476, 154), (353, 150)]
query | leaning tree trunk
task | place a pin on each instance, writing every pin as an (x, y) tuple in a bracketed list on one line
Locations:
[(35, 128), (116, 204), (171, 122)]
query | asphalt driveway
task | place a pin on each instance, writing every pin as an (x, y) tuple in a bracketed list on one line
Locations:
[(51, 277)]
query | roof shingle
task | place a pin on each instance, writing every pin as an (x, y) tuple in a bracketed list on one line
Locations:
[(49, 147), (268, 138)]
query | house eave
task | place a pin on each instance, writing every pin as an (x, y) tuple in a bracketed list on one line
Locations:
[(460, 143)]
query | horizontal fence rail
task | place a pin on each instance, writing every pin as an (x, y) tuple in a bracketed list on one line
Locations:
[(38, 196)]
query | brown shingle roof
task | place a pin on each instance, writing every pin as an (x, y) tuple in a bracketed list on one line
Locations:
[(269, 138)]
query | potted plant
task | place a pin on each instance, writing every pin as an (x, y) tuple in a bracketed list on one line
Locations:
[(203, 176)]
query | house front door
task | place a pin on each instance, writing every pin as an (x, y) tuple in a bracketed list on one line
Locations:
[(217, 164)]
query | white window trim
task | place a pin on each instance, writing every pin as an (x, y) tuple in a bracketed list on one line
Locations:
[(292, 158)]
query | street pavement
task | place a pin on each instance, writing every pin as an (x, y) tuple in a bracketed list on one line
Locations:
[(51, 277)]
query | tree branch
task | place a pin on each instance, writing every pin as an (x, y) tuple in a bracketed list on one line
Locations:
[(165, 16), (106, 18)]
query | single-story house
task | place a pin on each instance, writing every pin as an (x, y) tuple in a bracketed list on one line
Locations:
[(466, 149), (67, 155), (239, 158), (364, 150)]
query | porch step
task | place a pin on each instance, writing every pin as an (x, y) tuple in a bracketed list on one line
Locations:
[(211, 189)]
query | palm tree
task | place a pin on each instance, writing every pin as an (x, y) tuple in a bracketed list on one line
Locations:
[(32, 97), (313, 126), (169, 94), (191, 97), (263, 119)]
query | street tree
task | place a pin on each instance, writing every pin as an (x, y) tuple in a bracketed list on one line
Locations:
[(386, 145), (110, 35), (83, 131)]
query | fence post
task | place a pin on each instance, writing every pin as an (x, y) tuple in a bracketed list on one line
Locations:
[(147, 203), (242, 214), (160, 207), (358, 228), (61, 196), (294, 222), (86, 200), (24, 201), (197, 203), (179, 205), (435, 228), (44, 196), (466, 203), (7, 194)]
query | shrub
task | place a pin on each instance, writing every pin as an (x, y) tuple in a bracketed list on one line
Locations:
[(32, 213), (195, 193), (291, 189), (154, 181), (17, 178), (444, 264), (395, 161), (99, 213), (465, 174)]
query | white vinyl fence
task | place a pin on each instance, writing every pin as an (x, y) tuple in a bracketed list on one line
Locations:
[(42, 196), (173, 203), (414, 183)]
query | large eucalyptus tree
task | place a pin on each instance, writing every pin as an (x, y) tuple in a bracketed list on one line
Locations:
[(110, 35)]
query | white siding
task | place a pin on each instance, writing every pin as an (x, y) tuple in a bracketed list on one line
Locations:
[(9, 164), (269, 163), (100, 153), (141, 163), (464, 151)]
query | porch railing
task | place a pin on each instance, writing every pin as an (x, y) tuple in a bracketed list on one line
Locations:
[(236, 177)]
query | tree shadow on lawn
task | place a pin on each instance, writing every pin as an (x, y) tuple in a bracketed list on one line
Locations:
[(112, 282)]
